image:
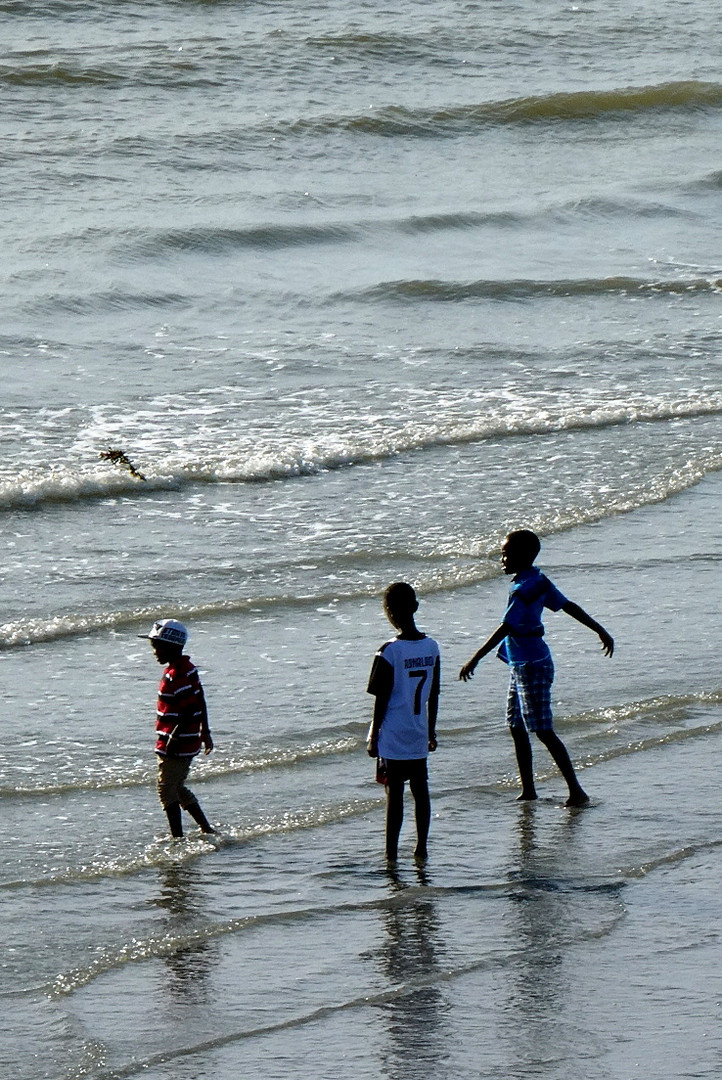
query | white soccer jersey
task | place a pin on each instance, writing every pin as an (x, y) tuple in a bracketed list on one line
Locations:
[(404, 732)]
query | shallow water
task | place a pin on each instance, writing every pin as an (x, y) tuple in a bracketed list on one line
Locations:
[(357, 292)]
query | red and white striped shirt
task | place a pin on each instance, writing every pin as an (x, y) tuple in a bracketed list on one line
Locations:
[(181, 712)]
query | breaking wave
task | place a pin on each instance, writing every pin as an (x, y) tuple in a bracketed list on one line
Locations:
[(292, 458)]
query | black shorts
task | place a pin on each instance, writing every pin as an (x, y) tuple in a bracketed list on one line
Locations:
[(398, 772)]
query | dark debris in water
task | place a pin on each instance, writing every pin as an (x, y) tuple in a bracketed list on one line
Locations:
[(119, 457)]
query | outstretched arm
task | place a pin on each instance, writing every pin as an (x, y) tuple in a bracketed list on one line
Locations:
[(489, 645), (586, 620)]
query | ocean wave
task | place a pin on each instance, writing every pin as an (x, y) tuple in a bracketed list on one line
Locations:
[(603, 735), (713, 180), (428, 290), (654, 742), (64, 484), (670, 707), (411, 290), (180, 939), (594, 208), (167, 853), (59, 627), (167, 943), (269, 236), (288, 459), (48, 9), (397, 120), (592, 727), (101, 302), (190, 149), (221, 765), (51, 73), (218, 239), (168, 69), (399, 46), (453, 564), (671, 858)]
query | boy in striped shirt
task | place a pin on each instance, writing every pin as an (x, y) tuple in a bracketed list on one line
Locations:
[(181, 724)]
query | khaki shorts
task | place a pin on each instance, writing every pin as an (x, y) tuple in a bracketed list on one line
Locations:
[(172, 775)]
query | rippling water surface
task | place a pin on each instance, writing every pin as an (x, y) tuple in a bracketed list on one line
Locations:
[(356, 291)]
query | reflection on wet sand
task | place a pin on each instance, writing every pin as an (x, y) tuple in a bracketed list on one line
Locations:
[(409, 958), (191, 963)]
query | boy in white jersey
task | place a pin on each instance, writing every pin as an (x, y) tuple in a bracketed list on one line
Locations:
[(405, 680)]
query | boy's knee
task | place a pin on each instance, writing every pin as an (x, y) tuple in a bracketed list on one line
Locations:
[(419, 788), (167, 793), (518, 733)]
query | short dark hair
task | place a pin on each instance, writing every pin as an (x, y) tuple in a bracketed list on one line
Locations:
[(525, 541), (401, 598)]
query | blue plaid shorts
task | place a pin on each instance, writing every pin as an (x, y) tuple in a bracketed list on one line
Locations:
[(529, 703)]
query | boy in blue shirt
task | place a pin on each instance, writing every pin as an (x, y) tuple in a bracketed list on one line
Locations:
[(405, 680), (522, 646)]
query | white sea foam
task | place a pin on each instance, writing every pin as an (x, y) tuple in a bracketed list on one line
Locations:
[(441, 420), (446, 561)]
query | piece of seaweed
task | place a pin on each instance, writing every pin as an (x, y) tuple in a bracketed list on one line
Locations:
[(119, 457)]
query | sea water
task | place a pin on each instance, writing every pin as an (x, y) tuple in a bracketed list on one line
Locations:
[(358, 288)]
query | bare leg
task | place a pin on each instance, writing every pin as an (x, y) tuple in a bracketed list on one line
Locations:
[(557, 749), (394, 817), (522, 746), (420, 791)]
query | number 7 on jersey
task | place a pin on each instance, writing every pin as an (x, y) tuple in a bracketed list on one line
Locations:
[(420, 674)]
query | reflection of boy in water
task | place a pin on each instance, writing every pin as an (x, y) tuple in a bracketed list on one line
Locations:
[(521, 637), (405, 680), (181, 724)]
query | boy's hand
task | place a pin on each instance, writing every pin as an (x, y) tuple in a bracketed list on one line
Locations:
[(607, 642), (207, 744), (432, 743), (372, 747), (468, 670)]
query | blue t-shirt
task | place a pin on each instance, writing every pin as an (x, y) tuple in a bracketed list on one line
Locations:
[(530, 592)]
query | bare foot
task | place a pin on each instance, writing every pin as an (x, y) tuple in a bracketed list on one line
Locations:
[(577, 798), (526, 796)]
